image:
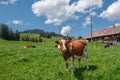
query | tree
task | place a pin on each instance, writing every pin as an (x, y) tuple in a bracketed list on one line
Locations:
[(17, 35), (11, 34), (4, 32), (48, 35), (52, 34), (40, 39), (67, 37), (43, 34), (80, 37)]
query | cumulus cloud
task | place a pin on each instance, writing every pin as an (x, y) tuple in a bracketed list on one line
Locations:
[(92, 13), (58, 11), (4, 2), (112, 12), (17, 22), (65, 30), (85, 5), (115, 25), (8, 2), (12, 1), (87, 21)]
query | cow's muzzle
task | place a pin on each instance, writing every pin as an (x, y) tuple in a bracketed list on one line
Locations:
[(57, 46)]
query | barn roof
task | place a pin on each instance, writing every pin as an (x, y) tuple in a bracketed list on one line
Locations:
[(104, 32)]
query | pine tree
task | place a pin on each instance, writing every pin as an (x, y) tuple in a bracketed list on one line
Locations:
[(11, 34), (17, 36), (40, 39), (80, 37), (4, 31)]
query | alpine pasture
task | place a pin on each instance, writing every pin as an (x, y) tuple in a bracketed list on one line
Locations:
[(45, 62)]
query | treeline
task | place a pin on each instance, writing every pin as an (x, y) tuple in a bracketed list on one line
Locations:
[(8, 34), (49, 34), (29, 38), (42, 33)]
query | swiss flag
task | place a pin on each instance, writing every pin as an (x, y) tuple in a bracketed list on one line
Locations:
[(105, 31)]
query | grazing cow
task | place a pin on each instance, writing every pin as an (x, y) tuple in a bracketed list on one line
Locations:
[(29, 46), (71, 49), (108, 44)]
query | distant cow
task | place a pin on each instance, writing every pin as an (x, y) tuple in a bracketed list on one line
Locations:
[(29, 46), (108, 44), (71, 49)]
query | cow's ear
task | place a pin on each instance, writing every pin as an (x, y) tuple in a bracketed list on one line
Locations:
[(57, 42)]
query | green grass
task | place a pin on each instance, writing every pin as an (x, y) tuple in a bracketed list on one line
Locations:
[(45, 62)]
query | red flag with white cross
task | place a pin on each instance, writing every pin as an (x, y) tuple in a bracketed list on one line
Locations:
[(105, 31)]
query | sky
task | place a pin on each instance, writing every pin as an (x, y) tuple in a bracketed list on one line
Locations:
[(71, 17)]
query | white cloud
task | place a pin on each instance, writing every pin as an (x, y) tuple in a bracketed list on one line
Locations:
[(17, 22), (84, 5), (116, 24), (112, 12), (92, 13), (8, 2), (58, 11), (12, 1), (4, 2), (65, 30), (87, 21)]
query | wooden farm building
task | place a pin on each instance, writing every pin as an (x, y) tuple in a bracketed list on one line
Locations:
[(110, 34)]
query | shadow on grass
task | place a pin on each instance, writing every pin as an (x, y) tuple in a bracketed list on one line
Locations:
[(78, 74), (79, 71), (92, 67)]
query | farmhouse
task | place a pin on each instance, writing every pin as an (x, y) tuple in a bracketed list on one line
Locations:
[(111, 34)]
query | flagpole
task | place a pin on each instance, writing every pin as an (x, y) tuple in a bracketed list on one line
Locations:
[(59, 31), (91, 26)]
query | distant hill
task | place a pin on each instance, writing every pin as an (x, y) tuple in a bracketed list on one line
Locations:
[(35, 31), (41, 32)]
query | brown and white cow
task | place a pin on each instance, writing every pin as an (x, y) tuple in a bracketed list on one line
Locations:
[(108, 45), (71, 49), (29, 46)]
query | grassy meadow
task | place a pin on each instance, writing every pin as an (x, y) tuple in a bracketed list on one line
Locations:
[(45, 62)]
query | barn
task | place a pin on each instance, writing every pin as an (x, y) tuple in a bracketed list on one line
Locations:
[(111, 34)]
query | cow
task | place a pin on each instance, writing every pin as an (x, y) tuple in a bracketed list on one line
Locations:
[(71, 49), (108, 44), (29, 46)]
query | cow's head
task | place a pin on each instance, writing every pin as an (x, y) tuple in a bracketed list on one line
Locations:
[(62, 44)]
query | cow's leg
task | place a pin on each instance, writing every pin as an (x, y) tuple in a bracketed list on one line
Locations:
[(87, 60), (86, 57), (72, 65), (66, 66), (79, 59)]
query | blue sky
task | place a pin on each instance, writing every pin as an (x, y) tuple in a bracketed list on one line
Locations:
[(73, 16)]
